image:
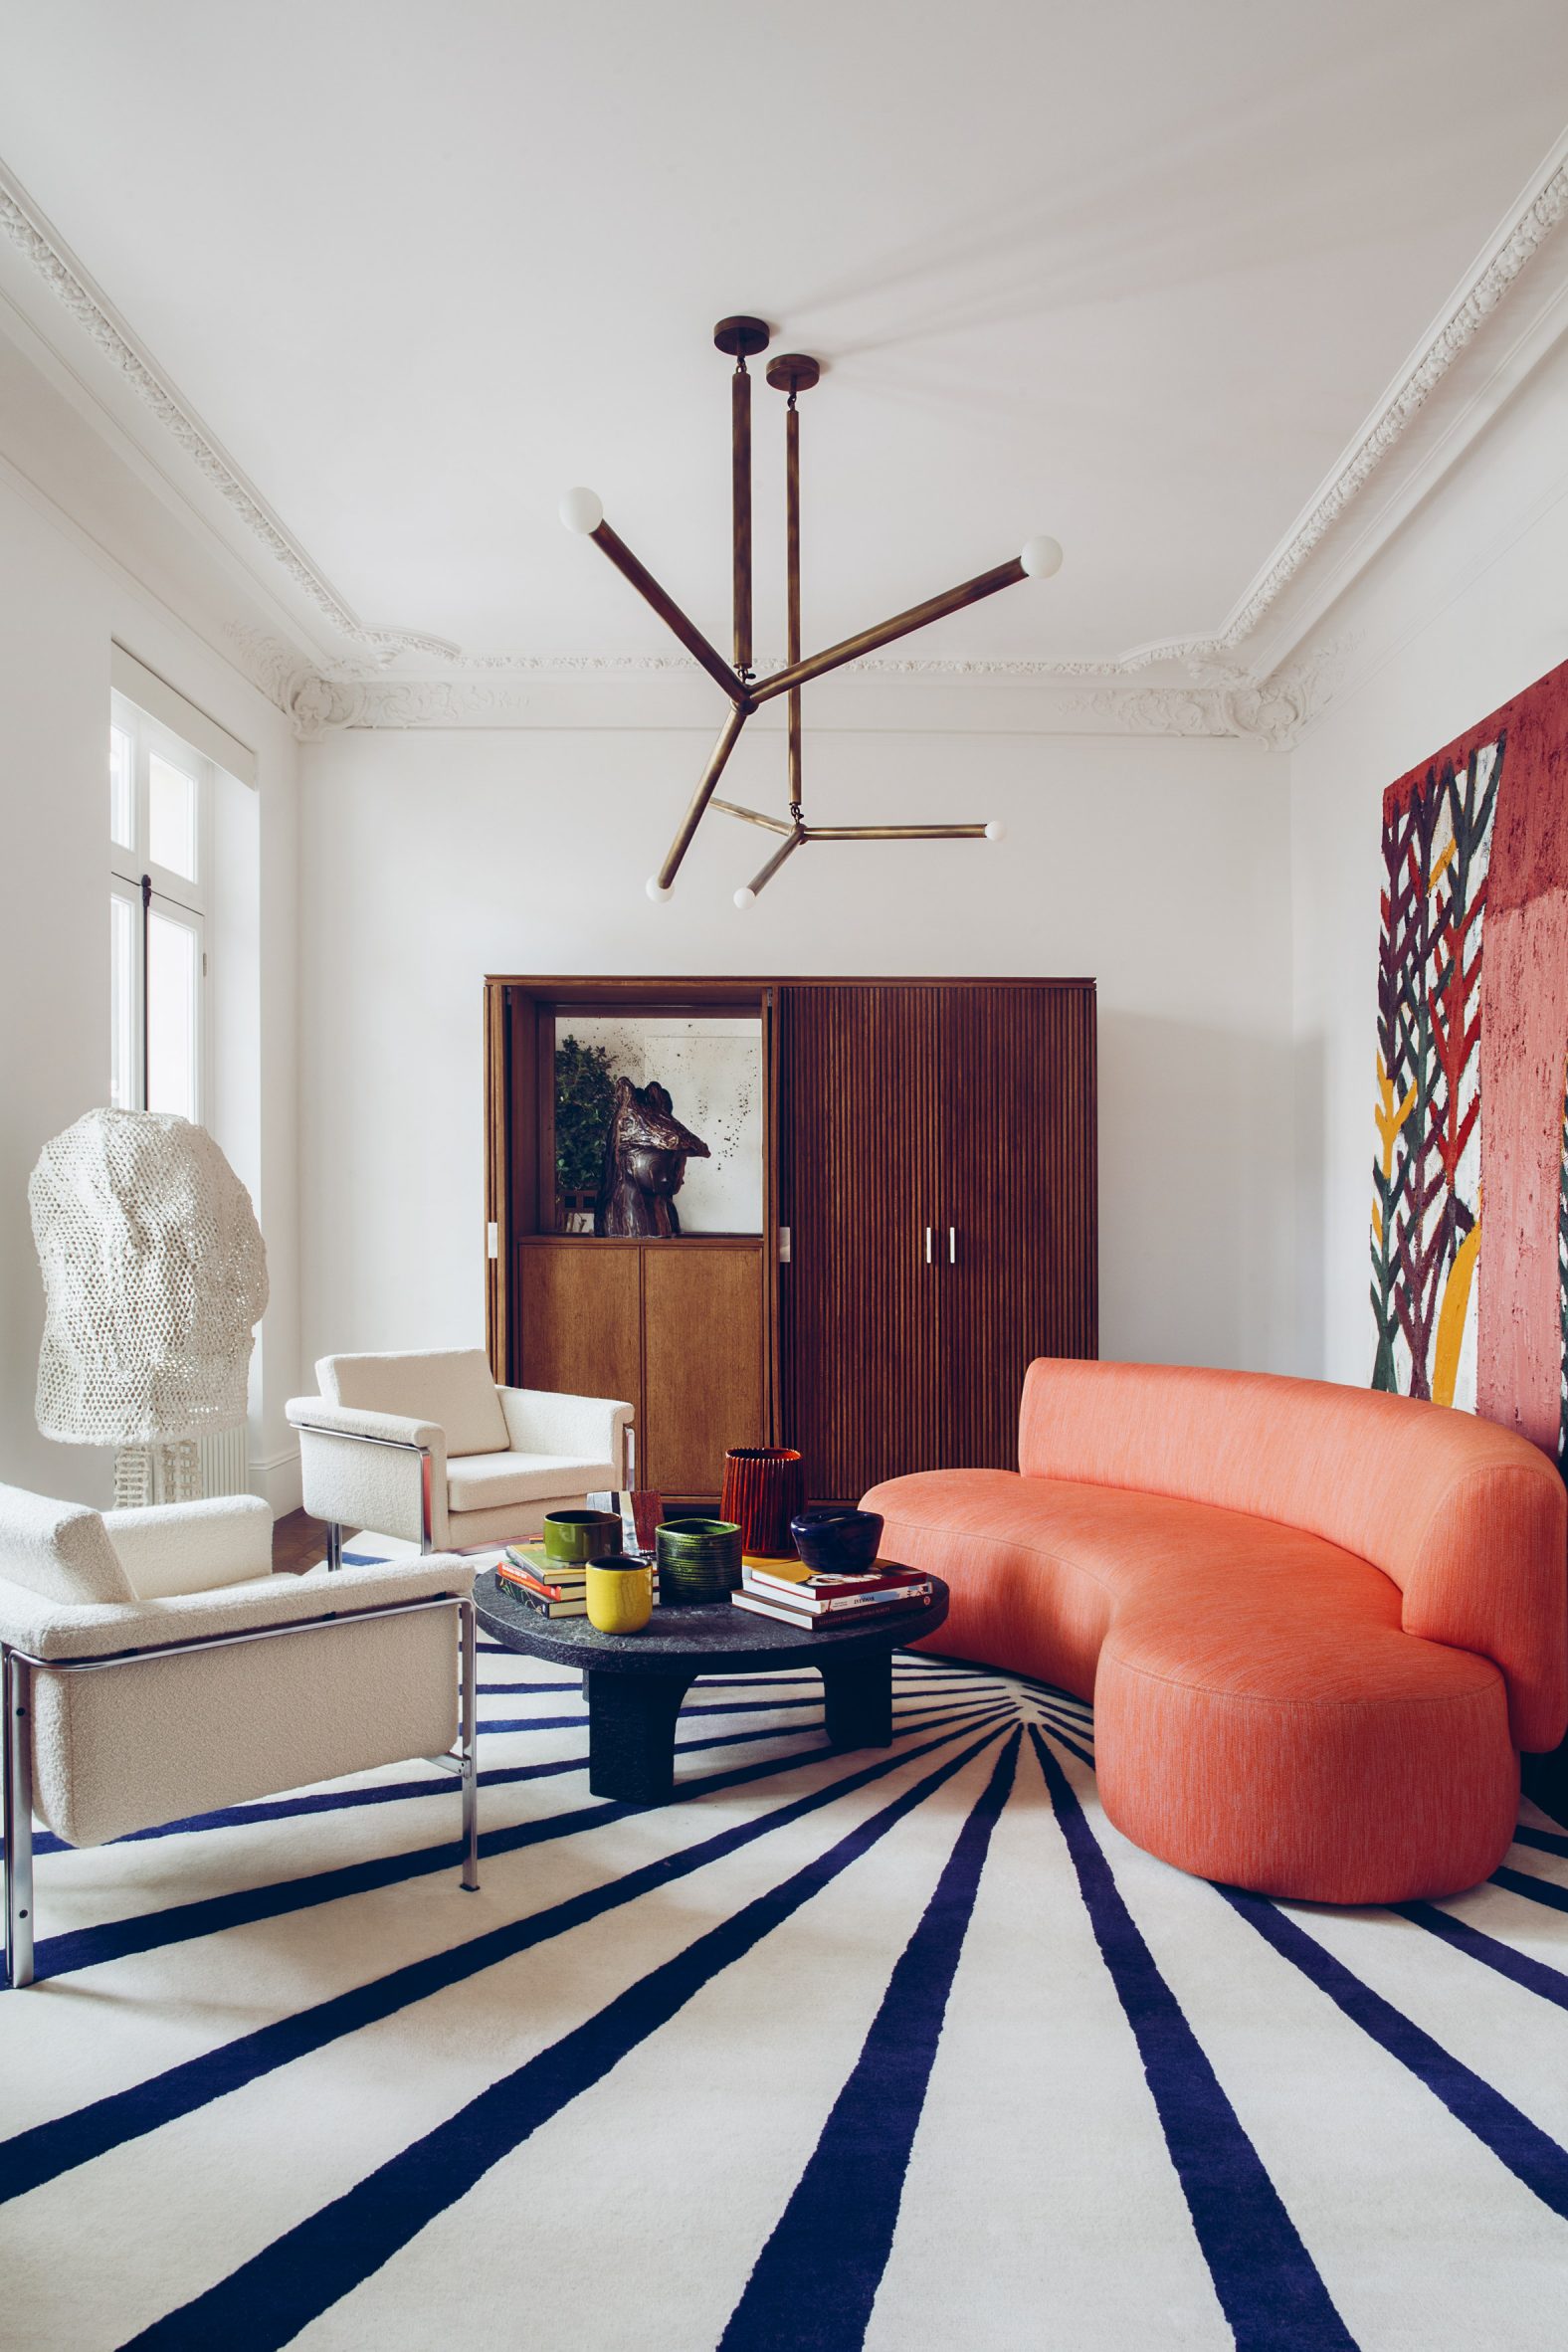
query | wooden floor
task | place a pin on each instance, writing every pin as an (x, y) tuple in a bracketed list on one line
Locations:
[(298, 1544)]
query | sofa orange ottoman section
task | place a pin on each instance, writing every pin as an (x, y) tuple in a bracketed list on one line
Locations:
[(1317, 1624)]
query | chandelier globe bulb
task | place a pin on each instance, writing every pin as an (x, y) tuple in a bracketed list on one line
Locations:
[(994, 830), (657, 890), (1039, 557), (582, 510)]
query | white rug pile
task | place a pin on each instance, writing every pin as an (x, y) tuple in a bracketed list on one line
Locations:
[(902, 2049)]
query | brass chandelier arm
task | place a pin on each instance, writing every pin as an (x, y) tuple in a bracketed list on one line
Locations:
[(728, 738), (896, 833), (670, 612), (785, 849), (741, 509), (732, 808), (850, 649), (792, 596)]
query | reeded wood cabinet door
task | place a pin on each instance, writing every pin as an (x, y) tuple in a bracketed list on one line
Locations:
[(936, 1173), (858, 1121), (1018, 1260)]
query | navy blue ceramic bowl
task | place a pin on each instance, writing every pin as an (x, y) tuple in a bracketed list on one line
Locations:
[(836, 1543)]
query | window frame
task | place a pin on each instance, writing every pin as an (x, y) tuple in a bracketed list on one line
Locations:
[(151, 888)]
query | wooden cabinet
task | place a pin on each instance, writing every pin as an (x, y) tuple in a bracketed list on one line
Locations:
[(858, 1152), (675, 1327), (937, 1174), (931, 1158)]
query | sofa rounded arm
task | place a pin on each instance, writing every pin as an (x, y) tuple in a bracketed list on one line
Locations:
[(51, 1630)]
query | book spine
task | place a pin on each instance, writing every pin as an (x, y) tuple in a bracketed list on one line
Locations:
[(810, 1621), (536, 1586), (826, 1605)]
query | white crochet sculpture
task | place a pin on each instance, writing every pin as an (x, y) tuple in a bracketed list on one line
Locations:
[(155, 1276)]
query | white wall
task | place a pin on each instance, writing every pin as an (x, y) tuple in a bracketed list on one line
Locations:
[(61, 606), (1464, 608), (1159, 866)]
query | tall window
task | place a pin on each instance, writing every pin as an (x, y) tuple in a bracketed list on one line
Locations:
[(159, 795)]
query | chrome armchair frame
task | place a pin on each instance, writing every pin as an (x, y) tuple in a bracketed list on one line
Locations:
[(358, 1436), (17, 1668)]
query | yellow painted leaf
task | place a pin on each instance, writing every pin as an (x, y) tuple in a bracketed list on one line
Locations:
[(1451, 1317)]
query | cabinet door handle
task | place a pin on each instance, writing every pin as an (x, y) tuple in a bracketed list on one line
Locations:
[(952, 1244), (928, 1245)]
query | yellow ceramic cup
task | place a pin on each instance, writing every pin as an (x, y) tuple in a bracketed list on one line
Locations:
[(620, 1593)]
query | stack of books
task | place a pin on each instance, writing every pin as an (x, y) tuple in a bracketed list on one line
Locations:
[(796, 1595), (555, 1588)]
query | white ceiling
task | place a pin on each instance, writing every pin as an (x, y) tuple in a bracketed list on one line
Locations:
[(1133, 273)]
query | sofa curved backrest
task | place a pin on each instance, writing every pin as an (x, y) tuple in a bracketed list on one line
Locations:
[(1470, 1521)]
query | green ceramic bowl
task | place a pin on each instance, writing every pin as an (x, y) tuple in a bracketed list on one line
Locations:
[(573, 1537), (698, 1560)]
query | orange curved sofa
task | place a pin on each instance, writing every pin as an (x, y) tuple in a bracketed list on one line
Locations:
[(1317, 1624)]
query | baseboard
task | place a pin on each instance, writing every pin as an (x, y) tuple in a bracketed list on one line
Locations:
[(278, 1478)]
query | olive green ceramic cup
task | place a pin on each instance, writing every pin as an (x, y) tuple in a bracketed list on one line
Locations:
[(573, 1537)]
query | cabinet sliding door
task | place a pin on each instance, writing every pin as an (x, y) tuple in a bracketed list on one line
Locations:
[(858, 1132), (1017, 1205)]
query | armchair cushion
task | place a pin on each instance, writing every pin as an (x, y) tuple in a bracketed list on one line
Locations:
[(451, 1387), (486, 1481), (192, 1547), (584, 1429), (59, 1551)]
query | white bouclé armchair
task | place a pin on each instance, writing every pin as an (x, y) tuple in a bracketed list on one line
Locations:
[(154, 1667), (427, 1447)]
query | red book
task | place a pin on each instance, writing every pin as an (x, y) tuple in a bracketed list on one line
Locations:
[(511, 1571)]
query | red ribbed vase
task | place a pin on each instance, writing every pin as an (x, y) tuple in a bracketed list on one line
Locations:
[(764, 1486)]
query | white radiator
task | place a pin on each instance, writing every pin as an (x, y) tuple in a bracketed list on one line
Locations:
[(225, 1458)]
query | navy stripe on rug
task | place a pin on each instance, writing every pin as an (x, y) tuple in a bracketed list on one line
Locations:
[(278, 2291), (1268, 2286), (89, 1947), (1537, 1891), (1527, 2151), (1548, 1841), (816, 2279), (1534, 1975), (1083, 1755), (46, 2150)]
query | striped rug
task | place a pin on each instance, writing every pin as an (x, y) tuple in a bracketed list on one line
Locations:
[(905, 2049)]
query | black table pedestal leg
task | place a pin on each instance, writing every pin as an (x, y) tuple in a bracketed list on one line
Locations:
[(631, 1734), (857, 1702)]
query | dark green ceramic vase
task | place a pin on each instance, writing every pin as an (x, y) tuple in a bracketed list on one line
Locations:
[(698, 1560)]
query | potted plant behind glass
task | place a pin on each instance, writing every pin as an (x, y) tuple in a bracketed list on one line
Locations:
[(584, 1098)]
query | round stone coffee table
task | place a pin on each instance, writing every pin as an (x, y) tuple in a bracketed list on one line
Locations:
[(635, 1682)]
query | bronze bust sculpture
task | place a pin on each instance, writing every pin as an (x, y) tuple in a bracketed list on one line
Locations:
[(645, 1157)]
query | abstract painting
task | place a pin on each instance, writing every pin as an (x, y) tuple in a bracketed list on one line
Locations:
[(1469, 1180)]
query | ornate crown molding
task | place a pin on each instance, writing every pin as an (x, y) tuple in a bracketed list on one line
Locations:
[(1274, 710), (1215, 702), (1510, 251)]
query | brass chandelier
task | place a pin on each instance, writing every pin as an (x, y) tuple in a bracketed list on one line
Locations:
[(582, 510)]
